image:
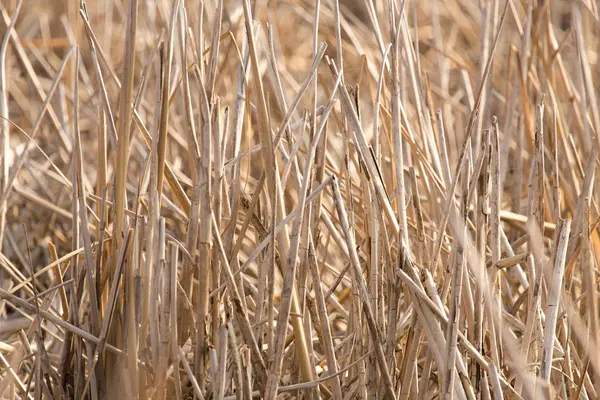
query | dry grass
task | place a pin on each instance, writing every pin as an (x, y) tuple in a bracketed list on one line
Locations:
[(358, 200)]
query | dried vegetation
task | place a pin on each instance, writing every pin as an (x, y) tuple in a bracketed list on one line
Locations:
[(299, 199)]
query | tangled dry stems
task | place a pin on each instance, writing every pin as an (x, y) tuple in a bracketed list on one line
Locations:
[(359, 199)]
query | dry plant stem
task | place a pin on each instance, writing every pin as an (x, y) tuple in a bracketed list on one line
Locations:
[(12, 376), (536, 209), (162, 289), (443, 147), (554, 300), (110, 308), (278, 229), (455, 302), (188, 370), (195, 160), (174, 184), (480, 183), (371, 206), (147, 306), (239, 114), (321, 154), (587, 267), (173, 314), (150, 305), (469, 132), (365, 153), (288, 285), (358, 278), (125, 110), (238, 373), (26, 283), (18, 47), (75, 299), (264, 297), (4, 125), (409, 362), (308, 385), (131, 303), (332, 363), (87, 241), (198, 307), (20, 162), (101, 187), (63, 294), (393, 299), (214, 49), (274, 186), (587, 75), (222, 363), (495, 276), (397, 128), (240, 312), (585, 193), (204, 236), (107, 109), (431, 329), (290, 112), (216, 211), (271, 286), (249, 215), (164, 107), (58, 321), (34, 328), (532, 314)]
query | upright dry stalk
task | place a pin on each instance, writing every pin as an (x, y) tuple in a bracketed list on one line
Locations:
[(288, 284), (83, 213), (241, 313), (482, 217), (397, 128), (456, 294), (554, 296), (214, 51), (239, 115), (204, 236), (191, 239), (364, 151), (124, 127), (536, 192), (165, 99), (275, 191), (589, 284), (469, 131), (216, 210), (332, 363), (173, 281), (4, 125), (374, 253), (409, 364), (163, 287), (495, 276), (322, 149), (110, 309), (131, 309), (585, 66), (359, 280)]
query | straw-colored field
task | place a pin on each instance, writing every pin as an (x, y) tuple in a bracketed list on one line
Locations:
[(309, 199)]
